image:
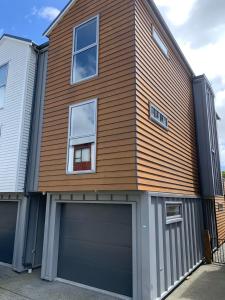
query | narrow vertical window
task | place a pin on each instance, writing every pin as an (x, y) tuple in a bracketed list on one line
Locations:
[(85, 50), (160, 42), (3, 80), (82, 137)]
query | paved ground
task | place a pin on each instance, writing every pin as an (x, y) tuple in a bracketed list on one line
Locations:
[(207, 283), (25, 286)]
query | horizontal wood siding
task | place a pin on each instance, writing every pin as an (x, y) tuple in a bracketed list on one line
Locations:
[(166, 159), (220, 217), (115, 90)]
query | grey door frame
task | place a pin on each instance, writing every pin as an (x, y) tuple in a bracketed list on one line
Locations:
[(17, 262), (51, 243)]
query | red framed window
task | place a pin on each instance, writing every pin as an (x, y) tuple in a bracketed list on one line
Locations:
[(82, 157)]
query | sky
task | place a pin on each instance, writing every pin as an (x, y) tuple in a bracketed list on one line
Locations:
[(197, 25)]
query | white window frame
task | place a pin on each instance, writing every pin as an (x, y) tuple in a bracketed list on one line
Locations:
[(83, 140), (155, 119), (74, 52), (4, 85), (162, 46), (174, 219)]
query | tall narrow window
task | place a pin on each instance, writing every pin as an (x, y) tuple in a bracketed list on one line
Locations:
[(3, 79), (82, 137), (160, 42), (85, 50)]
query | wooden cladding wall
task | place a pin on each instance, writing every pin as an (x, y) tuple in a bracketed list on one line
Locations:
[(114, 88), (166, 159), (220, 216)]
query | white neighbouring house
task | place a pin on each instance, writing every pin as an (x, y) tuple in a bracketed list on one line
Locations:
[(17, 76), (20, 207)]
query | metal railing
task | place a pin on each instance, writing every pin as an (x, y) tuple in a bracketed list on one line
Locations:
[(218, 253)]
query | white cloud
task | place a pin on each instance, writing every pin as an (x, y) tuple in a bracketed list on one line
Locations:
[(207, 59), (222, 155), (220, 99), (177, 11), (48, 12)]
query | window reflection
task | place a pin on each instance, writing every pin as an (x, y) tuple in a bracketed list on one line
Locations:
[(83, 120), (85, 35), (85, 64)]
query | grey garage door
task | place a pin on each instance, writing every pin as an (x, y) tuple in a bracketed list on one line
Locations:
[(8, 215), (95, 246)]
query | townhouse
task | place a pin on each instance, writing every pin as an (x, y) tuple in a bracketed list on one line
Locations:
[(119, 155), (21, 207), (118, 144)]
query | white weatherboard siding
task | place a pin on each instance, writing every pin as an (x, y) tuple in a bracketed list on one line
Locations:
[(16, 114)]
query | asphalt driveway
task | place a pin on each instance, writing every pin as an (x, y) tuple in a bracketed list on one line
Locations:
[(26, 286)]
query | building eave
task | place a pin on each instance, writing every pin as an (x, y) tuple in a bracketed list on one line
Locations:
[(18, 38)]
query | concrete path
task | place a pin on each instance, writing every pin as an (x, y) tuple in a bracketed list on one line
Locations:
[(26, 286), (207, 283)]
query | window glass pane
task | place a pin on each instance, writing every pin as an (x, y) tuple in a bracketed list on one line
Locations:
[(86, 154), (85, 64), (78, 155), (83, 120), (2, 96), (3, 74), (160, 42), (173, 210), (86, 35)]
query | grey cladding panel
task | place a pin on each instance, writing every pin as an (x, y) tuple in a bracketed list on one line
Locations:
[(177, 247), (35, 230), (95, 246), (207, 138), (36, 123), (8, 217)]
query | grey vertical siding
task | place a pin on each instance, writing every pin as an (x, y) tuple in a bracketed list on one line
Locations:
[(175, 249), (36, 123), (35, 230), (207, 138)]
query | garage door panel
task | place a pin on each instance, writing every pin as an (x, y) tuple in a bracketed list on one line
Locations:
[(104, 233), (96, 276), (107, 213), (95, 253), (94, 248), (8, 216)]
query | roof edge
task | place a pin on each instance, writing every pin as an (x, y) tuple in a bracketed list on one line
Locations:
[(167, 31), (59, 17), (157, 14), (18, 38)]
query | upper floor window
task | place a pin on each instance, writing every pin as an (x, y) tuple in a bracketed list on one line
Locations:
[(157, 116), (82, 137), (160, 42), (3, 80), (85, 50)]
